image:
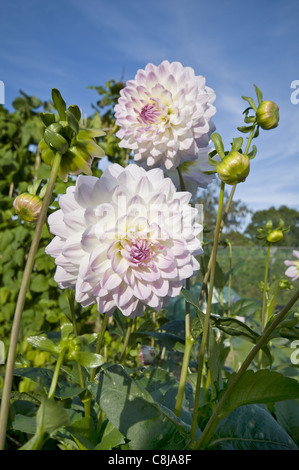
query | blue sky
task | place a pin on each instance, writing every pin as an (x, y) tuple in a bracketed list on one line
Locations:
[(70, 45)]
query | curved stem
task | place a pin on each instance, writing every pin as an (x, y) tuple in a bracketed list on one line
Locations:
[(208, 311), (207, 433), (21, 301)]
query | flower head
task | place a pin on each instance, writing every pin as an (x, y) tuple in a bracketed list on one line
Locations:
[(293, 269), (126, 240), (164, 115)]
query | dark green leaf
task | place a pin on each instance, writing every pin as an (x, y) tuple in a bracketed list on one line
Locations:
[(132, 410), (59, 103), (251, 428), (263, 386)]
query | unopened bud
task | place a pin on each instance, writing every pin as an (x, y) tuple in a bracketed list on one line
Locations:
[(28, 206), (267, 115), (275, 236), (234, 168), (147, 355)]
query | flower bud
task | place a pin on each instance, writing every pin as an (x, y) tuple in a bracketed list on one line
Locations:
[(147, 355), (267, 115), (275, 236), (234, 168), (28, 206)]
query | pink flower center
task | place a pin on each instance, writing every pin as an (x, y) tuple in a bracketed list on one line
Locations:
[(139, 251), (152, 112)]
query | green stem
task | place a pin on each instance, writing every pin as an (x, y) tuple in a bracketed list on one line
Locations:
[(56, 373), (208, 311), (21, 301), (264, 308), (126, 342), (186, 358), (71, 299), (99, 344), (208, 432)]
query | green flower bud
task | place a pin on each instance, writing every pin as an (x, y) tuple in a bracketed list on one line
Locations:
[(275, 236), (267, 115), (234, 168), (28, 206), (78, 156)]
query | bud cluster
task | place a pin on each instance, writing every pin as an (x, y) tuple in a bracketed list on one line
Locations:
[(64, 135), (272, 234)]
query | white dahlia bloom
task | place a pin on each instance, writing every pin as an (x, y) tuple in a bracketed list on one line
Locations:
[(126, 240), (165, 115)]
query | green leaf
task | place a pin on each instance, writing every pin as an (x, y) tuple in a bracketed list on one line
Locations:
[(88, 359), (253, 152), (259, 94), (245, 128), (71, 119), (43, 343), (47, 118), (50, 417), (84, 433), (76, 111), (217, 140), (59, 103), (250, 101), (287, 415), (64, 388), (132, 410), (237, 144), (263, 386), (56, 141), (111, 438), (251, 428)]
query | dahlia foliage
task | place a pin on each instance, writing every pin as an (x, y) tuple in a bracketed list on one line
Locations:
[(125, 240)]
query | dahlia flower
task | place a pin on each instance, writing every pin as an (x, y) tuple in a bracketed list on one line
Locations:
[(293, 269), (126, 240), (164, 115)]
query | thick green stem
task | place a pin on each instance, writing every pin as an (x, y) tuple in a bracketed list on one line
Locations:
[(208, 312), (21, 301), (207, 433)]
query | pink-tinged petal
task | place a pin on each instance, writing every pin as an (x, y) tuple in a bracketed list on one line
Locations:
[(292, 272), (296, 253), (118, 256)]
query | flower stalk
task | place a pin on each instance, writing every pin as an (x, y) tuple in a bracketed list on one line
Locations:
[(21, 300), (208, 311)]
